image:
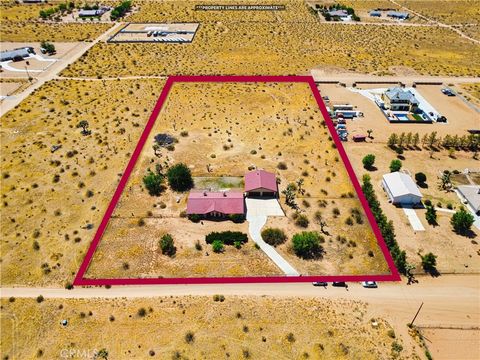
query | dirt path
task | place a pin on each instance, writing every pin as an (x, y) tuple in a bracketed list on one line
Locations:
[(436, 22), (53, 71)]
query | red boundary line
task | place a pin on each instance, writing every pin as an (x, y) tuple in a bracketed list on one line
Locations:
[(80, 280)]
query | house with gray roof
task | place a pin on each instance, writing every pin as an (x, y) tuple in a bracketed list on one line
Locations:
[(471, 196), (16, 53), (398, 15), (398, 99)]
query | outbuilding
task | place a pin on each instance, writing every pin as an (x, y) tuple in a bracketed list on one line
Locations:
[(16, 54), (401, 189), (261, 183)]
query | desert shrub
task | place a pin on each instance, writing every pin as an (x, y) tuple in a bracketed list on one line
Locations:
[(431, 215), (40, 299), (274, 236), (142, 312), (189, 337), (194, 218), (462, 221), (368, 161), (219, 298), (420, 178), (226, 237), (282, 166), (154, 183), (198, 246), (302, 221), (179, 177), (306, 244), (217, 246), (237, 218), (429, 262), (167, 245)]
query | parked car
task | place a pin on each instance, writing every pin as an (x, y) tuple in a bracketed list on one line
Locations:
[(369, 284), (442, 119), (448, 92), (339, 284), (320, 283)]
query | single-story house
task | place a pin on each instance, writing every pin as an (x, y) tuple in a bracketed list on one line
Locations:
[(340, 13), (401, 189), (91, 13), (398, 99), (12, 54), (215, 203), (471, 194), (398, 15), (261, 183), (375, 13)]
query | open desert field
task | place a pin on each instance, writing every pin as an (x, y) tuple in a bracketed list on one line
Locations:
[(234, 127), (11, 86), (455, 12), (456, 253), (21, 22), (277, 43), (197, 327), (472, 92), (446, 344), (53, 198)]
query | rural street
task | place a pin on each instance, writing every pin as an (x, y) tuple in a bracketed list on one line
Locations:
[(450, 300)]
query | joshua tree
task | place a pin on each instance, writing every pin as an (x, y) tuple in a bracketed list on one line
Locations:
[(84, 125), (369, 132)]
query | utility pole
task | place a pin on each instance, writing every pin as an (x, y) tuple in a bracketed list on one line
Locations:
[(411, 324)]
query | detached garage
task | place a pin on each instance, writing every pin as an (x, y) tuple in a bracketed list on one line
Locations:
[(261, 183), (401, 189)]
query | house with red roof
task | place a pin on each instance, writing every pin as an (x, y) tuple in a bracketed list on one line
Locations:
[(261, 183), (215, 203)]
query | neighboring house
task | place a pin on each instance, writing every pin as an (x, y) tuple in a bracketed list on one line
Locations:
[(342, 14), (16, 53), (91, 13), (261, 183), (401, 189), (32, 1), (375, 13), (398, 99), (215, 204), (471, 194), (398, 15)]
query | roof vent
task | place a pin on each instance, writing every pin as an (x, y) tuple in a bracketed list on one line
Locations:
[(204, 193)]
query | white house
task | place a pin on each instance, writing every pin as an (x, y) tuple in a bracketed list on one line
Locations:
[(401, 189), (471, 194)]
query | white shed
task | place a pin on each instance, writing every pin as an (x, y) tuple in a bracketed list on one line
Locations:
[(401, 189)]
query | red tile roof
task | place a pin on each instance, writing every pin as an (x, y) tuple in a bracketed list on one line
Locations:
[(204, 202), (260, 179)]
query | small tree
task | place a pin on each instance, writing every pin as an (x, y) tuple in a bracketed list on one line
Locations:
[(84, 125), (369, 132), (431, 215), (49, 47), (420, 178), (462, 221), (429, 262), (217, 246), (167, 245), (368, 161), (154, 183), (307, 244), (180, 178), (320, 221), (102, 354), (395, 165), (290, 193)]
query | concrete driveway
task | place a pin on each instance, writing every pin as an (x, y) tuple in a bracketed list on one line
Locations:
[(263, 207), (413, 218)]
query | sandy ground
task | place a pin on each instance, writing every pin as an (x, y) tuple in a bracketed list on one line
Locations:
[(8, 88), (445, 344), (225, 123), (455, 253)]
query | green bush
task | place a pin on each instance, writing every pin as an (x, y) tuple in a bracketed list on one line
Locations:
[(431, 215), (274, 236), (302, 221), (368, 161), (237, 218), (180, 177), (227, 237), (395, 165), (217, 246), (420, 178), (306, 245), (154, 183), (429, 262), (167, 245), (462, 221), (194, 218)]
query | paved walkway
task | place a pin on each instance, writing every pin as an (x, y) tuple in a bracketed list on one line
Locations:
[(255, 224), (413, 219)]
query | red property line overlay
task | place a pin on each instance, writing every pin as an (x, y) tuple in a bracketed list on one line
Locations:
[(80, 280)]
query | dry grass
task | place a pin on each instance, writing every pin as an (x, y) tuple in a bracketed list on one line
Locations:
[(239, 327), (447, 11), (242, 125), (35, 208), (286, 48), (473, 90)]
